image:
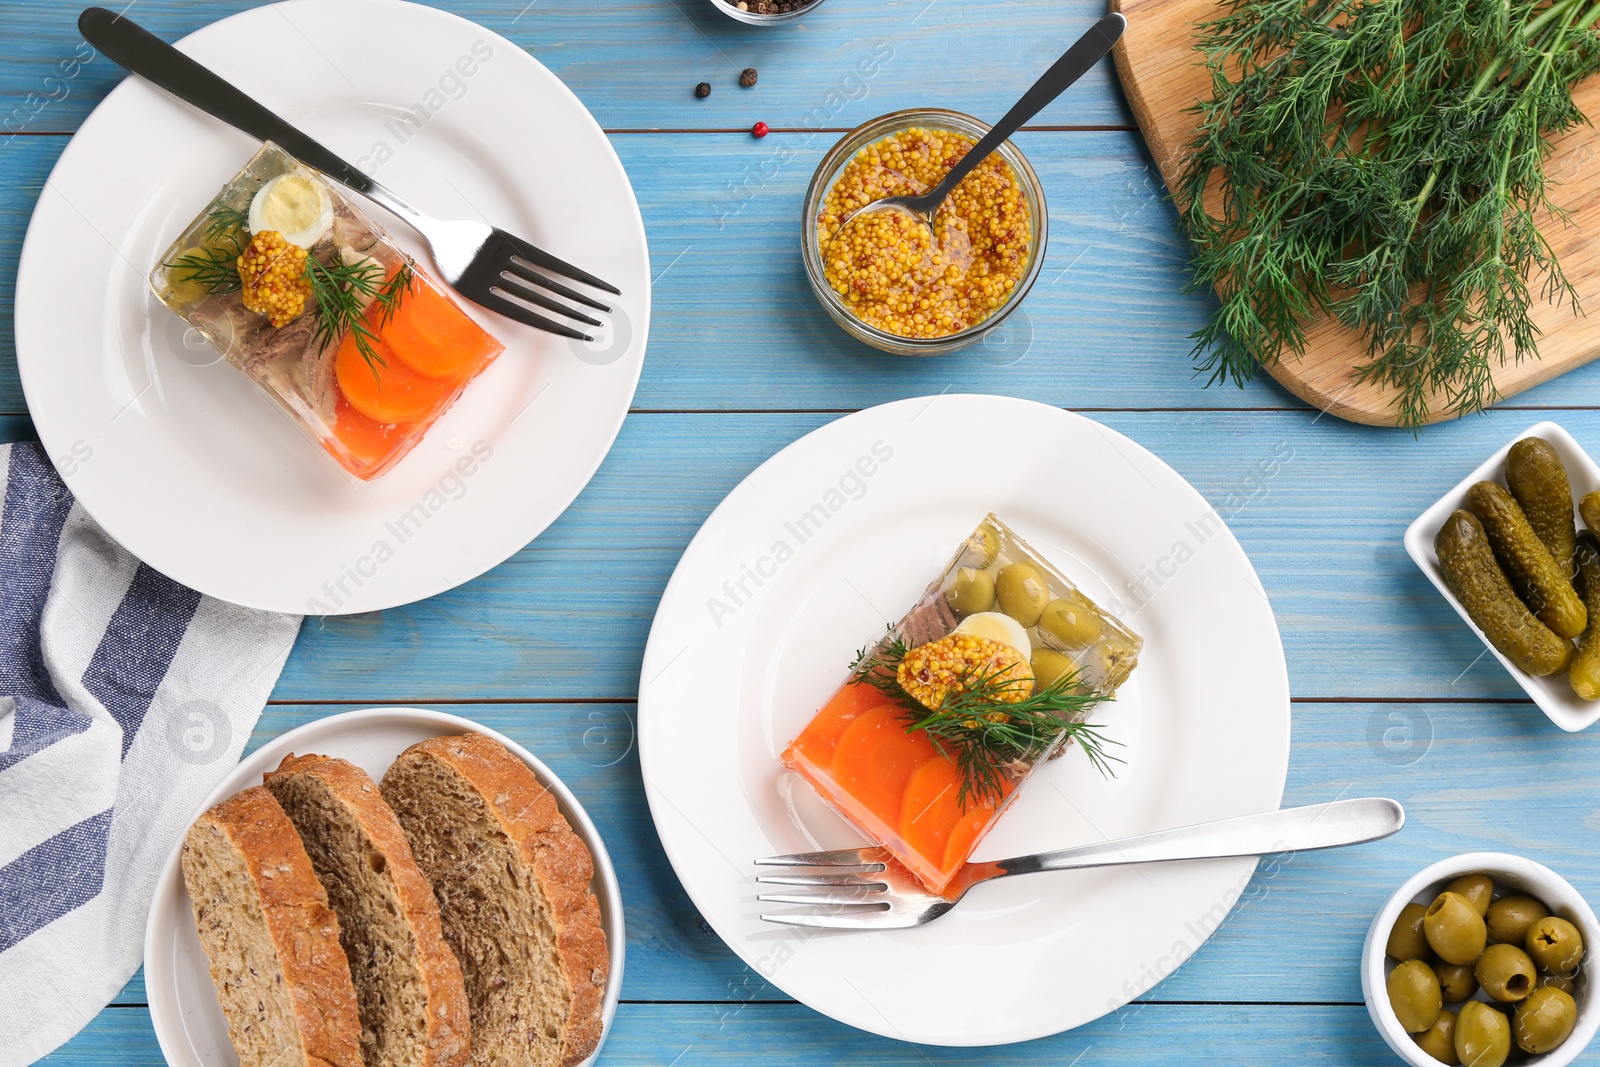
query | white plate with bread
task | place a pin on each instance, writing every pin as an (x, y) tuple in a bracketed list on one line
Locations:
[(410, 890)]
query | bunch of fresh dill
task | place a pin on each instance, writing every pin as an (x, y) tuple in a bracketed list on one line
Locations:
[(1382, 162)]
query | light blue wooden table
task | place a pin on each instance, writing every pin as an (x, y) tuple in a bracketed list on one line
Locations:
[(1392, 693)]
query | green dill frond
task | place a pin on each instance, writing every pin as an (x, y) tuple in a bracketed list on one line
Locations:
[(214, 266), (1382, 162), (342, 293), (982, 728)]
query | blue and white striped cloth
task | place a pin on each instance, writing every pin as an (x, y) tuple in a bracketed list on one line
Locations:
[(124, 699)]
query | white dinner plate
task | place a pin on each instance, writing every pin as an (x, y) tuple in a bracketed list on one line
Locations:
[(183, 1003), (836, 536), (197, 473)]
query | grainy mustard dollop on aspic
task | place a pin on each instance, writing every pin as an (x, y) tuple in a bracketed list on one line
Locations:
[(883, 264)]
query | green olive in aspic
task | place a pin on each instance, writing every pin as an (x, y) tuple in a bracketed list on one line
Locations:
[(983, 546), (1454, 928), (970, 592), (1023, 592), (1414, 996), (1483, 1035), (1070, 621), (1049, 667), (1506, 973)]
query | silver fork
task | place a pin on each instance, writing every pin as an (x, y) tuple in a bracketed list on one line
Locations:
[(868, 890), (483, 263)]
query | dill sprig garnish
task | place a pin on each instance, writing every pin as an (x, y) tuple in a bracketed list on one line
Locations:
[(989, 737), (343, 293), (223, 221), (1382, 162), (214, 265)]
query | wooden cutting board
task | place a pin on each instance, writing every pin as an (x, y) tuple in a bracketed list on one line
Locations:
[(1163, 77)]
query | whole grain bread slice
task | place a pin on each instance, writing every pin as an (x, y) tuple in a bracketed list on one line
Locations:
[(408, 984), (263, 919), (513, 885)]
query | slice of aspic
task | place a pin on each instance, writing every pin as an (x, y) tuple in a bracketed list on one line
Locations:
[(282, 979), (903, 790)]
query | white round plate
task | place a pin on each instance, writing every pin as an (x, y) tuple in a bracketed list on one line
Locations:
[(197, 473), (836, 536), (183, 1003)]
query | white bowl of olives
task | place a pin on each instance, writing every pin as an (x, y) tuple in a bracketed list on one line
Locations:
[(1481, 959)]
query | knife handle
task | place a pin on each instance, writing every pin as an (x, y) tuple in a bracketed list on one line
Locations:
[(143, 53)]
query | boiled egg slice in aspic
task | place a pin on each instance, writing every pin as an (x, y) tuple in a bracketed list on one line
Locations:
[(296, 205), (997, 626)]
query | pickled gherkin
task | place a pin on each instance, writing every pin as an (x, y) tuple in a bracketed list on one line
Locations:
[(1584, 674), (1475, 577), (1539, 483), (1527, 562)]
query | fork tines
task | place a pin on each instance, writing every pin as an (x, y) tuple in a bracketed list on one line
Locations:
[(504, 279)]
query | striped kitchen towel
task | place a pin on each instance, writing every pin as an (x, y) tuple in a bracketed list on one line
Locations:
[(124, 699)]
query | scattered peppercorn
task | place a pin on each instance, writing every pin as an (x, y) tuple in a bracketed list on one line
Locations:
[(703, 90), (760, 129), (747, 77)]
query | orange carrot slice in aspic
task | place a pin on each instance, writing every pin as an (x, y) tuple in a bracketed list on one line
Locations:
[(875, 759), (931, 808), (964, 837), (388, 391), (368, 440), (434, 337), (819, 739)]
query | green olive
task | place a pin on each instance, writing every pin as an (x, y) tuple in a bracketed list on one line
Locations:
[(970, 592), (185, 288), (1454, 928), (1406, 939), (1555, 945), (1440, 1041), (1050, 666), (1478, 888), (1483, 1035), (1562, 982), (1023, 592), (1414, 996), (1457, 981), (1506, 973), (1545, 1019), (1510, 917), (982, 547), (1071, 621)]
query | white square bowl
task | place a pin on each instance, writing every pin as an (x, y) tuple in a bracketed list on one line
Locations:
[(1553, 694)]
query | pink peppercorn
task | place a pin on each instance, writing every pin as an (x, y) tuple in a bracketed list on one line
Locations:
[(759, 130)]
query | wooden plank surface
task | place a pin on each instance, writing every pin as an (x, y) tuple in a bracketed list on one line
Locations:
[(1392, 694), (1163, 79), (635, 63)]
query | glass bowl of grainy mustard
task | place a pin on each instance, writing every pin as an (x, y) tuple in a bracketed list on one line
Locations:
[(882, 276)]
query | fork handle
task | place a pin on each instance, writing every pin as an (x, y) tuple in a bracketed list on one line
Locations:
[(143, 53), (1341, 822)]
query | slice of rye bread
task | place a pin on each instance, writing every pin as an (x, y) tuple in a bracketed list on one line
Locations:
[(264, 922), (513, 886), (408, 984)]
